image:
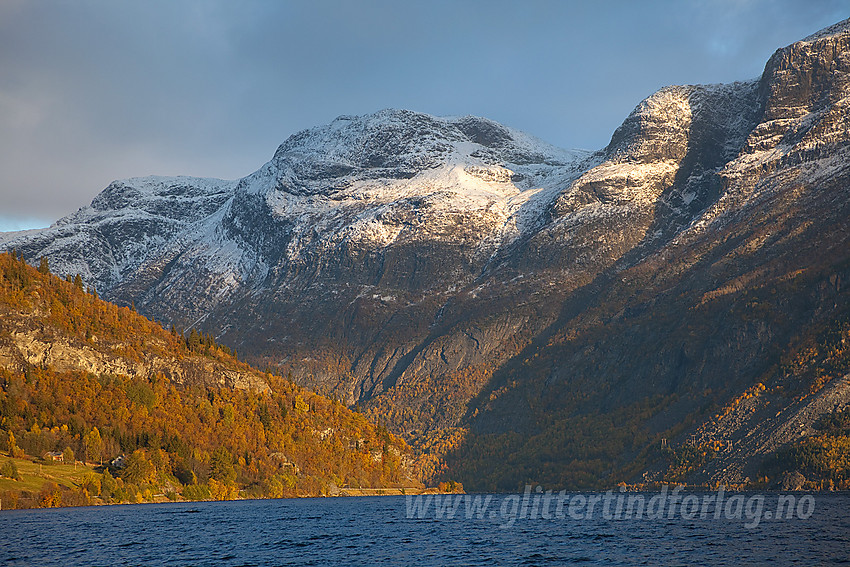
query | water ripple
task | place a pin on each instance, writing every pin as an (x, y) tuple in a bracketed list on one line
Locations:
[(374, 531)]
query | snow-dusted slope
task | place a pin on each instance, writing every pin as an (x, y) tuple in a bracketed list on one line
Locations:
[(356, 181), (128, 223)]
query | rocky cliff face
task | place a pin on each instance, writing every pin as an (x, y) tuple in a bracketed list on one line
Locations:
[(451, 273), (43, 326), (41, 349)]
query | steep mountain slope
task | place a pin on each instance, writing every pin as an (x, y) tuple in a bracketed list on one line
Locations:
[(500, 299), (677, 330)]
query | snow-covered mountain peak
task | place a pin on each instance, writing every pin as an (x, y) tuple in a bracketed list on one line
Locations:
[(400, 144), (368, 181), (841, 28)]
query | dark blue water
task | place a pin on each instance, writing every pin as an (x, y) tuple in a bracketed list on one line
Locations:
[(377, 531)]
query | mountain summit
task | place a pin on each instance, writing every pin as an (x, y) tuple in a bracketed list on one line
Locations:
[(504, 301), (360, 182)]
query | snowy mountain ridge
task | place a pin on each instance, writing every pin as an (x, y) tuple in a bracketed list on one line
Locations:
[(346, 181)]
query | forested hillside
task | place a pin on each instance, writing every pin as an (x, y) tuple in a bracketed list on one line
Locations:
[(181, 433)]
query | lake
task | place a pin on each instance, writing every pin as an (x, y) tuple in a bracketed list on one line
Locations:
[(399, 530)]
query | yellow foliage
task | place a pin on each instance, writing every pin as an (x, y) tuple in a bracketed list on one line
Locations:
[(271, 436)]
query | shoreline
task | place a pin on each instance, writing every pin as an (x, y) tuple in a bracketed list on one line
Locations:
[(380, 492)]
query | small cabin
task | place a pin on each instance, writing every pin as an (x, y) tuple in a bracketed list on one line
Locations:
[(54, 456)]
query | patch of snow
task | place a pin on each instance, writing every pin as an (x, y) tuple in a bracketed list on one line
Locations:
[(840, 28)]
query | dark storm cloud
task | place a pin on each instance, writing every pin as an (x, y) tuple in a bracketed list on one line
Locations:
[(93, 91)]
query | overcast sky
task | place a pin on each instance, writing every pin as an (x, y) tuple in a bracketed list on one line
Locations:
[(92, 91)]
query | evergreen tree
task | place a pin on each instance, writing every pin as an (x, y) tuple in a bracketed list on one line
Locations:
[(221, 466), (44, 266), (194, 341)]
